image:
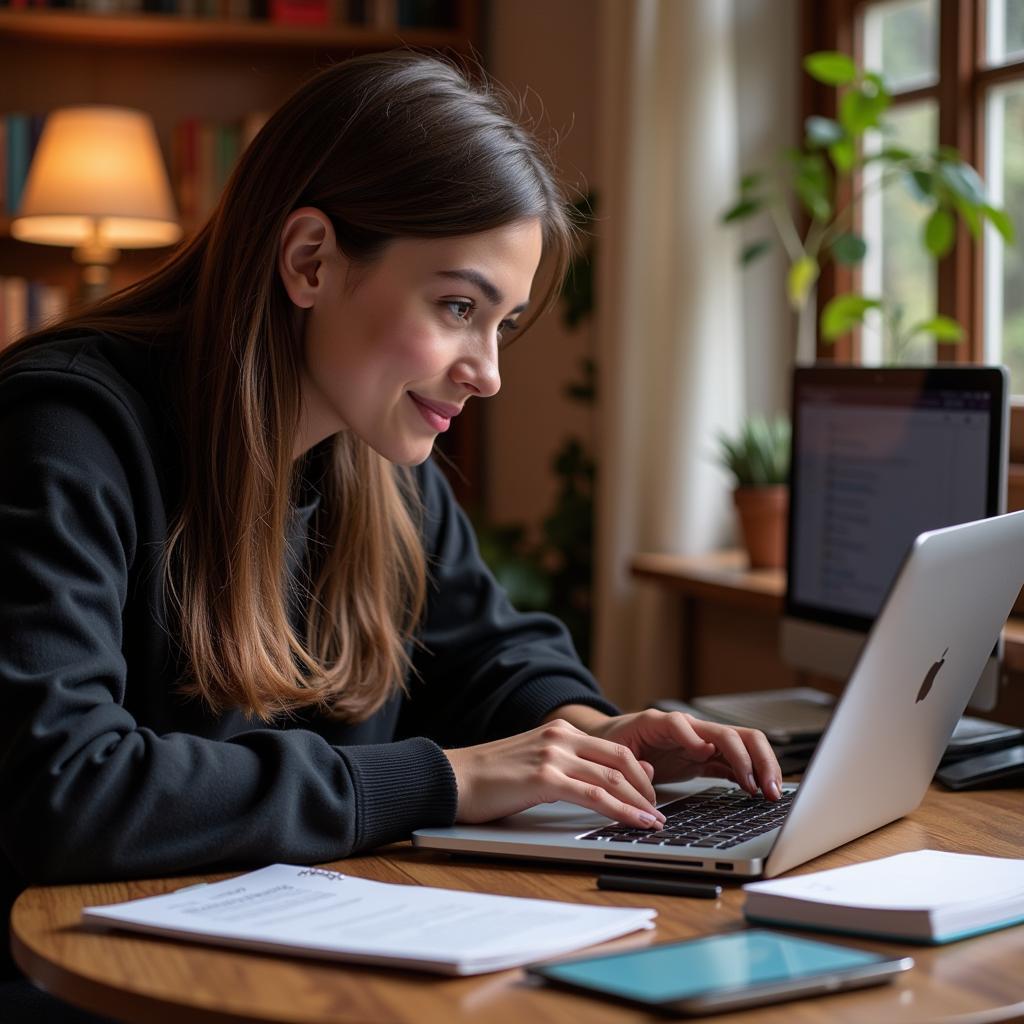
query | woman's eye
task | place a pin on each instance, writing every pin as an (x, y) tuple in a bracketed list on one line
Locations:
[(459, 308), (505, 328)]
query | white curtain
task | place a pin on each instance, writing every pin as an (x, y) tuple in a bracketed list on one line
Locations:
[(669, 348)]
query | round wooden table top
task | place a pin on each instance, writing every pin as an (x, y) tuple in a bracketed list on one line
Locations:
[(148, 979)]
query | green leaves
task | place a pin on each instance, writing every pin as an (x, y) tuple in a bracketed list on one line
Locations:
[(830, 67), (939, 232), (849, 249), (845, 312), (813, 185), (743, 209), (759, 456), (754, 251), (942, 328), (842, 313), (921, 184), (862, 108), (802, 275), (1000, 221), (960, 178), (822, 177), (843, 155)]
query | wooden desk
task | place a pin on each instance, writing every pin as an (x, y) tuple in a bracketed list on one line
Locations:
[(146, 979), (730, 615)]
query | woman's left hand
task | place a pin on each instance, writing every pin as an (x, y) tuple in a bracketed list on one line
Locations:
[(680, 746)]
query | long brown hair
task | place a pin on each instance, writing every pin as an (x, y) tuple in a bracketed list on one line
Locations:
[(388, 145)]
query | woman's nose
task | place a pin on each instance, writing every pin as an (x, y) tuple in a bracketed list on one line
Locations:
[(479, 372)]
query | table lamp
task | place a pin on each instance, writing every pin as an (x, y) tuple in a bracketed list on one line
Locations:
[(97, 182)]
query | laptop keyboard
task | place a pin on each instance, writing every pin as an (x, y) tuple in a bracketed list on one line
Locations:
[(716, 818)]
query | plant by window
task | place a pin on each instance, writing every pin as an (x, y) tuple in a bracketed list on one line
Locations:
[(759, 455), (820, 184)]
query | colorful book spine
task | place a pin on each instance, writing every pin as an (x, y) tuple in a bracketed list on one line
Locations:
[(184, 167), (19, 155), (203, 157), (28, 305), (3, 165), (299, 12)]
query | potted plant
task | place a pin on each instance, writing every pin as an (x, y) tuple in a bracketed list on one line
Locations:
[(811, 194), (758, 458)]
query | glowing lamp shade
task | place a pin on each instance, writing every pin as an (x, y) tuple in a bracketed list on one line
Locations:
[(97, 182)]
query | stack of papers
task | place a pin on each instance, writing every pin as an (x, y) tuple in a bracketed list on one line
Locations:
[(925, 896), (313, 912)]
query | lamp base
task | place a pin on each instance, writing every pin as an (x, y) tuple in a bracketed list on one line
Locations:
[(96, 262)]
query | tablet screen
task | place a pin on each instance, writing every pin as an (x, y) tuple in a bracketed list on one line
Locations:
[(719, 962)]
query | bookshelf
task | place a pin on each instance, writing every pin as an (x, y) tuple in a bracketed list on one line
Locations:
[(216, 34), (179, 67)]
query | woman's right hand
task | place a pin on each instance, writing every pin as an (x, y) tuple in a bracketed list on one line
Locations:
[(555, 761)]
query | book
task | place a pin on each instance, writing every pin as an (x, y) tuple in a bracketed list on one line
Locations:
[(28, 305), (927, 896), (19, 155), (299, 12), (313, 912)]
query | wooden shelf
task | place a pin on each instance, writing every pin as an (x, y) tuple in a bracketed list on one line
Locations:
[(723, 579), (722, 576), (215, 33)]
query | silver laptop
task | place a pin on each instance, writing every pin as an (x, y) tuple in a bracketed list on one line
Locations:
[(922, 659)]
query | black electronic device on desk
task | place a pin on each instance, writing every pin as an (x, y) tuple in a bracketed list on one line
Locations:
[(794, 743), (994, 768)]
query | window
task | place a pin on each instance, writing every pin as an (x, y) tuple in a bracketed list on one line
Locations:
[(900, 41), (956, 69)]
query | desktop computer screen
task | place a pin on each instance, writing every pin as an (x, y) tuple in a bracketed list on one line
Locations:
[(879, 456)]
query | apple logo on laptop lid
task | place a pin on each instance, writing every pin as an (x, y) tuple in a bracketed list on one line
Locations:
[(930, 677)]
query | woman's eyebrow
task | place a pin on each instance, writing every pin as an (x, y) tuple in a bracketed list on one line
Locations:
[(491, 292)]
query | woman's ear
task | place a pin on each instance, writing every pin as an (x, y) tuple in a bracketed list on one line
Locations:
[(307, 243)]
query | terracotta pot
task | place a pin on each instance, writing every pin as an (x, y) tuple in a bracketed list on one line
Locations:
[(762, 512)]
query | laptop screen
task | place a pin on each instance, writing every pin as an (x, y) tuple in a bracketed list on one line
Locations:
[(880, 456)]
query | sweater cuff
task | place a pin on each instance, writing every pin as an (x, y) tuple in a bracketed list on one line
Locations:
[(529, 703), (400, 787)]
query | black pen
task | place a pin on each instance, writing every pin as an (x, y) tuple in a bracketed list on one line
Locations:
[(659, 886)]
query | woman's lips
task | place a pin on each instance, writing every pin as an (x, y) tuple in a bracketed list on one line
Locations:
[(437, 414)]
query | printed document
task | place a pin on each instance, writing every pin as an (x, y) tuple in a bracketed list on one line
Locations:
[(314, 912)]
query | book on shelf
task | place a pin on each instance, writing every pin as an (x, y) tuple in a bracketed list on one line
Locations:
[(18, 139), (927, 896), (28, 305), (299, 12), (203, 156), (312, 912)]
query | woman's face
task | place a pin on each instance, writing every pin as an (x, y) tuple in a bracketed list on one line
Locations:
[(393, 351)]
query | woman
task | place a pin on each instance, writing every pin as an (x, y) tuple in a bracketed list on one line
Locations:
[(245, 619)]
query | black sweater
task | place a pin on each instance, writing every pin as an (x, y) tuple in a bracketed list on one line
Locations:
[(105, 770)]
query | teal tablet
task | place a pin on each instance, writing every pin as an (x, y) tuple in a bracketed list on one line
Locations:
[(723, 972)]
